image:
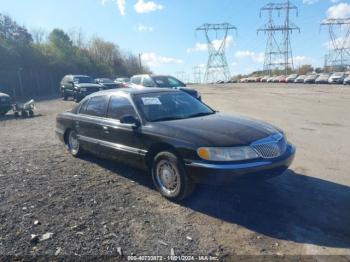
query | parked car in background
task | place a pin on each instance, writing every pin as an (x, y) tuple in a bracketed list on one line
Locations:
[(264, 79), (322, 79), (122, 80), (161, 81), (243, 80), (347, 80), (300, 79), (180, 140), (5, 104), (271, 79), (282, 79), (279, 79), (78, 86), (107, 83), (310, 79), (291, 78), (337, 78)]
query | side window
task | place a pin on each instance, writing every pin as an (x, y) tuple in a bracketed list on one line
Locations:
[(136, 80), (120, 106), (83, 107), (97, 106)]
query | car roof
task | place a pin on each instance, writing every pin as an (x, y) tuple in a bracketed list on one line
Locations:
[(132, 91)]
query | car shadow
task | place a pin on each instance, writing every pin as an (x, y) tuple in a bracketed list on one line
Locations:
[(292, 207)]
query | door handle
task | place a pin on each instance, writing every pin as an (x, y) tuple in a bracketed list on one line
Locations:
[(105, 129)]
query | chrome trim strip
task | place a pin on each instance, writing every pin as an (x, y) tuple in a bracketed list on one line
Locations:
[(228, 166), (113, 145)]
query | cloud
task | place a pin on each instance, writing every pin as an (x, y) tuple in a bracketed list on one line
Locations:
[(341, 10), (154, 60), (339, 42), (199, 47), (145, 7), (255, 57), (120, 3), (300, 60), (142, 28), (309, 2)]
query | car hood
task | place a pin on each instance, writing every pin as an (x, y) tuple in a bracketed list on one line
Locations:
[(216, 130), (4, 95), (88, 85)]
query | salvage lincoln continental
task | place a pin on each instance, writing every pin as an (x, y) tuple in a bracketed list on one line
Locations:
[(179, 139)]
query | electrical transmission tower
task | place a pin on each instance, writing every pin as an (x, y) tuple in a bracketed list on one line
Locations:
[(338, 57), (197, 74), (278, 53), (217, 66)]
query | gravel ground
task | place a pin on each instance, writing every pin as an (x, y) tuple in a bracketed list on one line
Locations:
[(95, 207)]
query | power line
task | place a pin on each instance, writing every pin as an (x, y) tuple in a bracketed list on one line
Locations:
[(338, 56), (278, 54), (217, 66)]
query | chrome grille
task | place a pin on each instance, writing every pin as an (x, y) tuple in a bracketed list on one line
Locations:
[(270, 147)]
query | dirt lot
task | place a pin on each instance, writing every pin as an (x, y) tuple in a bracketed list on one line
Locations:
[(95, 207)]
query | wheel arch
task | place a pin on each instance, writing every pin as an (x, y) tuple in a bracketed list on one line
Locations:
[(157, 148)]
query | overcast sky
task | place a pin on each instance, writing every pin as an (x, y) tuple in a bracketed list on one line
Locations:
[(164, 30)]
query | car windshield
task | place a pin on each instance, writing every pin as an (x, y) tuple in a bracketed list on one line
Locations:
[(82, 79), (167, 81), (105, 80), (338, 74), (166, 106)]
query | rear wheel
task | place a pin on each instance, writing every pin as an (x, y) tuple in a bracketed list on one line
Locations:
[(73, 144), (170, 178)]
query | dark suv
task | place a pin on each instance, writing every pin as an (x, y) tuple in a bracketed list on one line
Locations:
[(5, 104), (78, 87), (161, 81)]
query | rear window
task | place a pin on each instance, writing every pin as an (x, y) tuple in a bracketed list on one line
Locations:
[(96, 106), (167, 81)]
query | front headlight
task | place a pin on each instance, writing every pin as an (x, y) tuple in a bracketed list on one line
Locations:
[(227, 153)]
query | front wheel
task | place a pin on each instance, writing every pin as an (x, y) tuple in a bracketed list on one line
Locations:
[(170, 178), (73, 144)]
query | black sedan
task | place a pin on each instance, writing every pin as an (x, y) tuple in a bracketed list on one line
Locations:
[(179, 139)]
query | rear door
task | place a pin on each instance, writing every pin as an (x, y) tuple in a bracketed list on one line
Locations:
[(88, 123), (121, 141)]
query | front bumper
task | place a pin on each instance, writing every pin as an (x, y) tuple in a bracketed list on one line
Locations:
[(219, 174)]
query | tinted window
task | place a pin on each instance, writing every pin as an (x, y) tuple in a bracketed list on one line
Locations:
[(136, 80), (167, 81), (82, 79), (97, 106), (120, 106)]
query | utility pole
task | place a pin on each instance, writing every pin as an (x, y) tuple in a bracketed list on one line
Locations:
[(140, 62), (278, 55), (338, 57), (217, 66)]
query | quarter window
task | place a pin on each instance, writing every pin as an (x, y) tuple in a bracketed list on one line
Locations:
[(97, 106), (120, 106)]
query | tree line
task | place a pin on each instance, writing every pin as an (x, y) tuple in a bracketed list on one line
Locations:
[(62, 52)]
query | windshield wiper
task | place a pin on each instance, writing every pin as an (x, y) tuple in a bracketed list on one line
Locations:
[(201, 114), (166, 119)]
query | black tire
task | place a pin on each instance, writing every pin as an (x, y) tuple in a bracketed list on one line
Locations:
[(74, 148), (24, 114), (65, 96), (184, 184), (31, 113)]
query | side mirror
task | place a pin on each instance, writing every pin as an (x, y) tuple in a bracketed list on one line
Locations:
[(130, 120)]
